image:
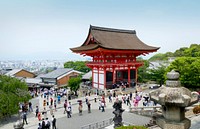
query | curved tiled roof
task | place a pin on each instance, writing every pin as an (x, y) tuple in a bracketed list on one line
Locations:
[(115, 39)]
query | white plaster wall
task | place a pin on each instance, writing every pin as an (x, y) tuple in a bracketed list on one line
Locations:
[(101, 87), (95, 77), (101, 78), (95, 85)]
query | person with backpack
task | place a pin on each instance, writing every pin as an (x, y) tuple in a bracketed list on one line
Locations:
[(53, 122)]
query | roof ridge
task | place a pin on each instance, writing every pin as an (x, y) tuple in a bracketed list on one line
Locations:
[(112, 29)]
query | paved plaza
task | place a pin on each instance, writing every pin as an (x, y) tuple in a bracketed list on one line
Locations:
[(76, 121)]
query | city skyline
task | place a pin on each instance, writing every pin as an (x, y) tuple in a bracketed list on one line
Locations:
[(39, 30)]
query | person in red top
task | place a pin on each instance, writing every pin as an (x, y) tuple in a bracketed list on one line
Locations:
[(103, 100), (39, 116)]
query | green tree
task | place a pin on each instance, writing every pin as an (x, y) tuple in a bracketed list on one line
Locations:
[(158, 74), (193, 51), (12, 91), (77, 65), (158, 56), (189, 69), (74, 84), (143, 74)]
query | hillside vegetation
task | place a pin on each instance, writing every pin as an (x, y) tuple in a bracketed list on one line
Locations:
[(192, 51)]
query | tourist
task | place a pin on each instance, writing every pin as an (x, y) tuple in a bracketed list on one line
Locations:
[(30, 107), (86, 99), (53, 122), (128, 101), (102, 106), (44, 103), (58, 98), (136, 100), (114, 94), (51, 101), (131, 95), (39, 116), (47, 124), (44, 113), (65, 106), (89, 107), (51, 109), (110, 98), (95, 98), (80, 107), (70, 106), (43, 124), (39, 126), (99, 104), (36, 111), (146, 100), (55, 105), (24, 117), (68, 112)]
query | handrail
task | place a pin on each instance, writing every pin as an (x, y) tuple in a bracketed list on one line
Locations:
[(98, 125)]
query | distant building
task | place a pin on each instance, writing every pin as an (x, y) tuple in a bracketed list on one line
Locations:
[(20, 73), (33, 83), (87, 76), (59, 77)]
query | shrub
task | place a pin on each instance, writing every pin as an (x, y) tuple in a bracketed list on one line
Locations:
[(131, 127), (196, 109)]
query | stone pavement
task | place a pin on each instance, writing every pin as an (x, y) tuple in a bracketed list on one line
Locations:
[(96, 115), (87, 118)]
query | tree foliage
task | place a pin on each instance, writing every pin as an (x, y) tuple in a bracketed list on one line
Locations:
[(12, 91), (77, 65), (189, 69), (158, 56), (192, 51), (74, 83), (142, 72), (158, 74)]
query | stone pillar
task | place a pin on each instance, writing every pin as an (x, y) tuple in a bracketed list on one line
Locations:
[(173, 99), (118, 113)]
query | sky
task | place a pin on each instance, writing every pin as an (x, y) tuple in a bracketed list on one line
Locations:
[(46, 29)]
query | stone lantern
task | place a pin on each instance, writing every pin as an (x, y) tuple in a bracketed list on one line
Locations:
[(173, 98)]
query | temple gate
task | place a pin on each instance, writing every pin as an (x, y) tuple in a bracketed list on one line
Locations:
[(113, 53)]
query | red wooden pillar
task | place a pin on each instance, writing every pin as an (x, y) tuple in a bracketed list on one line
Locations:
[(129, 76), (98, 77), (93, 77), (113, 70), (104, 77), (136, 75)]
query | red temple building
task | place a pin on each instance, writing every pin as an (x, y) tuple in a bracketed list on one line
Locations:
[(113, 53)]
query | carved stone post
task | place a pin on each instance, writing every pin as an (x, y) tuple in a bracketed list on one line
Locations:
[(118, 113), (173, 98)]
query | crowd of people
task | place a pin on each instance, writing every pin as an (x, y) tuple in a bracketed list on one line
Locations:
[(51, 100)]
